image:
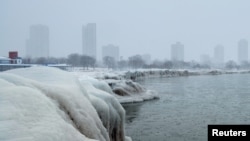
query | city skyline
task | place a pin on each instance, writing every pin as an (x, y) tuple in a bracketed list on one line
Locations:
[(91, 28), (147, 27)]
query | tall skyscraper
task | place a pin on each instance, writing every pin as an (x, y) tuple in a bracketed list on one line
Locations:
[(89, 39), (38, 43), (111, 51), (242, 50), (177, 52), (219, 54)]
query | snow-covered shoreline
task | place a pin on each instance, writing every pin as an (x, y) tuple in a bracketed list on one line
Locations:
[(43, 103), (145, 73), (125, 88)]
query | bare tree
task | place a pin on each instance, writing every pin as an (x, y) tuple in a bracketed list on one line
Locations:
[(41, 60), (109, 61), (87, 61), (122, 64), (231, 65), (136, 61), (168, 64), (27, 60), (74, 59), (245, 65)]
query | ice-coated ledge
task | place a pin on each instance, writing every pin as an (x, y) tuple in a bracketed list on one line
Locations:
[(125, 90), (43, 103), (123, 83)]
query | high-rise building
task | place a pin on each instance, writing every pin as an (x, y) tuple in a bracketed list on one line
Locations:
[(177, 52), (38, 43), (111, 51), (89, 40), (242, 50), (219, 54)]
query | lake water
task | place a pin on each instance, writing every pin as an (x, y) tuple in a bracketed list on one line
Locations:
[(187, 105)]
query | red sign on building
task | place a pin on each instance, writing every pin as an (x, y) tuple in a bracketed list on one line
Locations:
[(13, 54)]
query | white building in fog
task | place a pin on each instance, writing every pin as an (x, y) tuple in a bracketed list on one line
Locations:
[(37, 45), (177, 52), (111, 51), (242, 50), (219, 54), (89, 39)]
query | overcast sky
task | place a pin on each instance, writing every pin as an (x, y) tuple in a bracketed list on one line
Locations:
[(136, 26)]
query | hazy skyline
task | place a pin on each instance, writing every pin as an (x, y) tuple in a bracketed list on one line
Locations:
[(137, 27)]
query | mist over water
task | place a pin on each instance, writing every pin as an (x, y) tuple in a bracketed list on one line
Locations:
[(187, 105)]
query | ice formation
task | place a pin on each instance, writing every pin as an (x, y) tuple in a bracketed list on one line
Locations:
[(42, 103), (125, 90)]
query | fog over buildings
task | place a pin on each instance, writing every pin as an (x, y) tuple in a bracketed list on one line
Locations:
[(89, 40), (205, 59), (177, 52), (37, 45), (242, 50), (137, 27), (219, 54), (111, 51)]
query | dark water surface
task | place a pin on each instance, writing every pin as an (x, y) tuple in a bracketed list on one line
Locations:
[(187, 105)]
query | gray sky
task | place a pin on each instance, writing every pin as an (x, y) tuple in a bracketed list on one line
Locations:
[(136, 26)]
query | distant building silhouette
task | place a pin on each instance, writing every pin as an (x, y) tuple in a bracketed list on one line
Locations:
[(242, 50), (89, 39), (38, 43), (219, 54), (177, 52), (111, 51)]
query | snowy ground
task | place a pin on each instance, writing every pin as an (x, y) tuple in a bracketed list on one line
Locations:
[(44, 103), (123, 84), (114, 82)]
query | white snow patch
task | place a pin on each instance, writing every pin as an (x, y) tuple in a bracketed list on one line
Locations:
[(42, 103), (126, 91)]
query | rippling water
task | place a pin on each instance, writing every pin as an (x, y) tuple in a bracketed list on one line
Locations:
[(187, 105)]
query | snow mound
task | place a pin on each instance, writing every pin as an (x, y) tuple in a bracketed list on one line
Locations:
[(43, 103), (126, 91)]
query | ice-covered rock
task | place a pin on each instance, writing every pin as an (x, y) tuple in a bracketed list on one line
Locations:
[(126, 91), (41, 103)]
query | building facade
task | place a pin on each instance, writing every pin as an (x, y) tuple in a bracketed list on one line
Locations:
[(111, 51), (242, 50), (89, 40), (177, 52), (37, 45), (219, 54)]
